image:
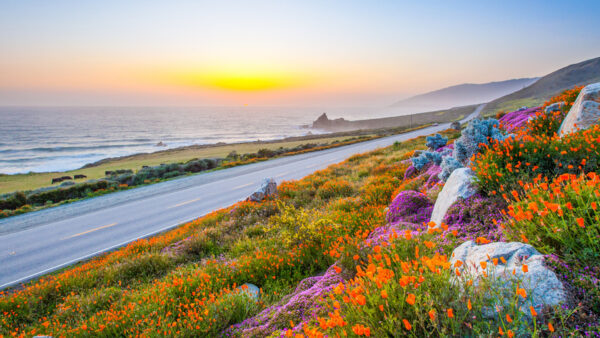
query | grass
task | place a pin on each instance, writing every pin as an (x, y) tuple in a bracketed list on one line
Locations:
[(513, 105)]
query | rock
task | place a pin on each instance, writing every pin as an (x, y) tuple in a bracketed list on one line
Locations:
[(585, 112), (267, 188), (455, 125), (161, 144), (323, 122), (458, 185), (541, 284), (554, 107), (251, 289)]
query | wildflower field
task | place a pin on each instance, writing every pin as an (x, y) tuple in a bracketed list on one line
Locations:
[(350, 251)]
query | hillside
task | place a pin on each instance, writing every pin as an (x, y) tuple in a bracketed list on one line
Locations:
[(578, 74), (409, 121), (465, 94), (356, 249)]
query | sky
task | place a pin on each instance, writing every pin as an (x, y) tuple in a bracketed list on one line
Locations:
[(301, 53)]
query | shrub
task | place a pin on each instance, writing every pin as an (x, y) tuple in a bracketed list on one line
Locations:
[(435, 142), (560, 217), (547, 124), (72, 192), (426, 157), (477, 133), (335, 188), (297, 226), (504, 166), (449, 164)]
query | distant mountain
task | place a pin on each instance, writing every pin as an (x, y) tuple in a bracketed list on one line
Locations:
[(578, 74), (465, 94)]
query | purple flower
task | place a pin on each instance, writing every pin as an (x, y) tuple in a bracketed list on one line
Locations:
[(476, 216), (517, 119), (410, 206)]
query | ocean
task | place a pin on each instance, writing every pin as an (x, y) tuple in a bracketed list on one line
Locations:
[(41, 139)]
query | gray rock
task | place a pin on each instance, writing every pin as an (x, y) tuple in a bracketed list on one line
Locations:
[(585, 112), (455, 125), (457, 185), (542, 286), (252, 290), (267, 188), (554, 107)]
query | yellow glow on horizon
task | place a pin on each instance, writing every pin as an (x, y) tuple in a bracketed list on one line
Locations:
[(235, 81)]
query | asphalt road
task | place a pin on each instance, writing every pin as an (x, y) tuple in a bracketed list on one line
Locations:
[(34, 244)]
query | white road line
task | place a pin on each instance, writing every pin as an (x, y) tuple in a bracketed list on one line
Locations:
[(283, 174), (40, 273), (184, 203), (242, 186), (92, 230)]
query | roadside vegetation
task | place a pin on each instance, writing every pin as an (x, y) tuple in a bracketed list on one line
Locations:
[(20, 202), (348, 251)]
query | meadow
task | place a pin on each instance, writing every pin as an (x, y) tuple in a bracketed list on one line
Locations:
[(349, 251)]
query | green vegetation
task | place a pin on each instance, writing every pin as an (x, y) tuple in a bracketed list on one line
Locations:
[(578, 74)]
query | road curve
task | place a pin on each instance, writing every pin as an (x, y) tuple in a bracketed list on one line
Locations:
[(40, 242)]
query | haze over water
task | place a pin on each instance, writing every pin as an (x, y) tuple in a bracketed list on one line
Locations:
[(40, 139)]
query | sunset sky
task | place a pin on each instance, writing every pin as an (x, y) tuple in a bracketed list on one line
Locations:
[(344, 53)]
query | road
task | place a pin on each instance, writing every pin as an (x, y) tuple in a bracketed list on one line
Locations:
[(37, 243)]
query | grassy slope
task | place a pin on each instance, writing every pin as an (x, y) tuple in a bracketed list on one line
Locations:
[(139, 280), (10, 183), (565, 78)]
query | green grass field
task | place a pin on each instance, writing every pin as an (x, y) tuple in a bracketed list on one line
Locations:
[(22, 182)]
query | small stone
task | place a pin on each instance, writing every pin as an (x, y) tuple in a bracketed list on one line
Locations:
[(267, 188)]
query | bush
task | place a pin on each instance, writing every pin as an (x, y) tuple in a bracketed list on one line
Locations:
[(449, 164), (477, 133), (560, 217), (547, 124), (13, 201), (435, 142), (335, 188), (297, 226), (72, 192), (426, 157), (504, 166)]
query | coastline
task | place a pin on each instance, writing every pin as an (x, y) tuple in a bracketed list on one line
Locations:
[(96, 170)]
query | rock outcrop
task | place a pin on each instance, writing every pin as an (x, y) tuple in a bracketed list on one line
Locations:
[(458, 186), (585, 112), (509, 265), (267, 188), (323, 122)]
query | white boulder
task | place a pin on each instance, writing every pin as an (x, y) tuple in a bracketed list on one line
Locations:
[(458, 185), (267, 188), (585, 112), (504, 264)]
